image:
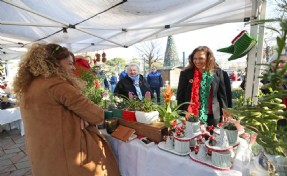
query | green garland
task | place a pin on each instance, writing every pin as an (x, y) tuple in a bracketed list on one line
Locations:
[(205, 83)]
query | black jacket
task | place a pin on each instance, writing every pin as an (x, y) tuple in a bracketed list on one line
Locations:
[(125, 86), (219, 97), (228, 88)]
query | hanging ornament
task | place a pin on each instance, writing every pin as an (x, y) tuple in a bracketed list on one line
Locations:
[(98, 57), (104, 57)]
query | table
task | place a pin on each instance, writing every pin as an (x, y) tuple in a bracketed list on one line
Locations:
[(12, 116), (136, 159)]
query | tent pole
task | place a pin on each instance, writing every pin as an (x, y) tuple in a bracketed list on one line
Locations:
[(34, 12), (30, 24), (100, 37), (259, 53), (252, 56)]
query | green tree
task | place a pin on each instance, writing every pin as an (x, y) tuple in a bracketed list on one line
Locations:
[(150, 52), (116, 64), (171, 55)]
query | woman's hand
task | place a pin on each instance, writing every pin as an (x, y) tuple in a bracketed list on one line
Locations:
[(84, 124)]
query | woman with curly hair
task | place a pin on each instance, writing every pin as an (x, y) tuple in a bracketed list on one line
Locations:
[(202, 83), (60, 122)]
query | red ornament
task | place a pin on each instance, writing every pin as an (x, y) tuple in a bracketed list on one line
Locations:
[(209, 152), (211, 138), (220, 124), (196, 149)]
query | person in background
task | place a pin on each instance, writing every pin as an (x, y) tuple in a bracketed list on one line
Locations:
[(154, 80), (123, 73), (228, 88), (103, 77), (132, 82), (234, 76), (60, 122), (202, 83), (113, 81)]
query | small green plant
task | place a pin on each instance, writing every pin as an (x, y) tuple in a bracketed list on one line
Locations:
[(193, 118), (146, 105), (229, 126)]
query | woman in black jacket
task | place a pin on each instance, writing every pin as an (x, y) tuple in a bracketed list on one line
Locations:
[(202, 83), (132, 82)]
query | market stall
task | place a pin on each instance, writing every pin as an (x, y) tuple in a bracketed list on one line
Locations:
[(11, 118)]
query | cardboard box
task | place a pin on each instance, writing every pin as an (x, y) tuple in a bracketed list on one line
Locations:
[(154, 131)]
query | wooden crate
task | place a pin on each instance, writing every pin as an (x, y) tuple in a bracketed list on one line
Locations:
[(154, 131)]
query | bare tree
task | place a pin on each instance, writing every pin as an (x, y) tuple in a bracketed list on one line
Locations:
[(150, 52)]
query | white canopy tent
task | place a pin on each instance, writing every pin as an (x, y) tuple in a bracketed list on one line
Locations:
[(102, 24), (93, 25)]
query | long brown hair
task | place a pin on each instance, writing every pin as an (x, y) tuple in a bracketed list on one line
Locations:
[(42, 60), (210, 62)]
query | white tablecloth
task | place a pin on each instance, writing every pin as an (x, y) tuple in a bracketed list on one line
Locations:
[(137, 160), (12, 116)]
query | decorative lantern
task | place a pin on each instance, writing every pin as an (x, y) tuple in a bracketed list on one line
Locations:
[(104, 57), (98, 57)]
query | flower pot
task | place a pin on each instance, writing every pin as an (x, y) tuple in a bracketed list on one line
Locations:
[(232, 136), (181, 145), (108, 114), (221, 159), (202, 151), (169, 142), (146, 117), (191, 128), (117, 113), (129, 115), (195, 126)]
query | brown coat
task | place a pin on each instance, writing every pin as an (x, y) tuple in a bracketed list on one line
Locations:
[(52, 110)]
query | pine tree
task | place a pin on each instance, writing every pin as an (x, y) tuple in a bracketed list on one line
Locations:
[(171, 56)]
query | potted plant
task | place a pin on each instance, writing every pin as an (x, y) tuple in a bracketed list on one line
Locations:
[(231, 132), (192, 124), (131, 107), (147, 110), (170, 112), (181, 141)]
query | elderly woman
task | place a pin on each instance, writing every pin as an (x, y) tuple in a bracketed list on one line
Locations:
[(132, 82), (202, 83), (60, 122)]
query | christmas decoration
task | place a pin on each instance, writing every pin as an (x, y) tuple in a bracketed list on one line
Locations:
[(171, 55)]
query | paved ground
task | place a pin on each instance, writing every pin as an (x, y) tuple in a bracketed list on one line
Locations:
[(13, 156)]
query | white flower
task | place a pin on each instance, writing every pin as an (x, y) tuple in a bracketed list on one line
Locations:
[(173, 98), (118, 100)]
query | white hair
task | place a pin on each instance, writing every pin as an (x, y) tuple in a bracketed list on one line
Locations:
[(133, 65)]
